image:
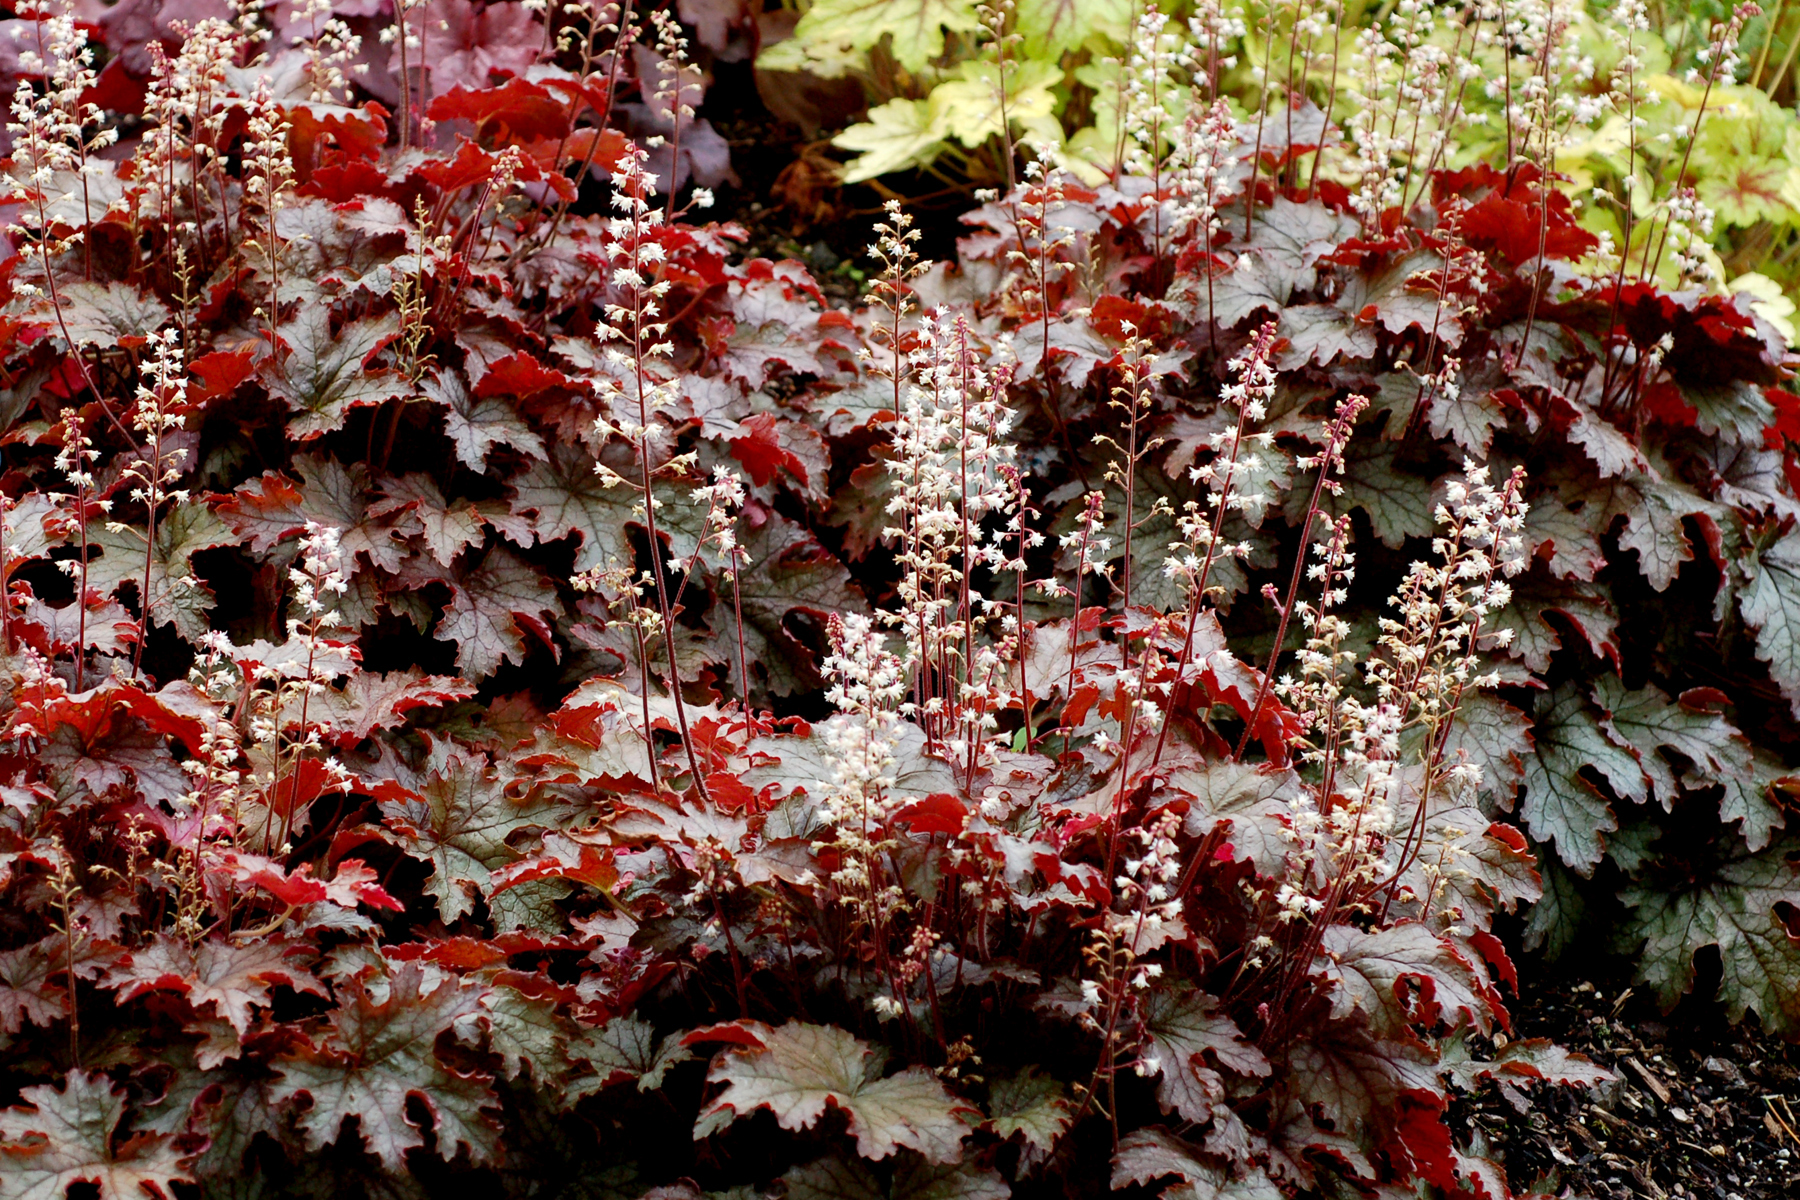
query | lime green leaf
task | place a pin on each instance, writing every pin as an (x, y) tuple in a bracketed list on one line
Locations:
[(899, 134), (916, 26), (1051, 27), (1741, 162), (971, 105)]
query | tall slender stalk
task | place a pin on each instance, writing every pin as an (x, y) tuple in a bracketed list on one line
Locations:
[(1328, 460), (635, 320)]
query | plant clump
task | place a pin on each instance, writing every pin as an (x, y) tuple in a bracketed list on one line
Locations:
[(497, 688)]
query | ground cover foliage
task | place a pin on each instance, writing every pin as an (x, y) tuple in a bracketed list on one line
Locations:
[(503, 692), (1682, 110)]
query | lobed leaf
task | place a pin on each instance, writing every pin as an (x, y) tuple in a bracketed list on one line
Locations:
[(799, 1071), (64, 1136)]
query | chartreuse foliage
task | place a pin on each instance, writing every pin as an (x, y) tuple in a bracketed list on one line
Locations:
[(1651, 114), (503, 696)]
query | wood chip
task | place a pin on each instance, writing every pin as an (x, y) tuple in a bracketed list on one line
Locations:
[(1780, 1124), (1646, 1183), (1610, 1121), (1649, 1080)]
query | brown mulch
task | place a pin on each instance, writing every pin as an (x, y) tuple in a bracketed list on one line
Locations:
[(1698, 1109)]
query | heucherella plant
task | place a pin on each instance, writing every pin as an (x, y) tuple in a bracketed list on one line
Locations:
[(500, 689)]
